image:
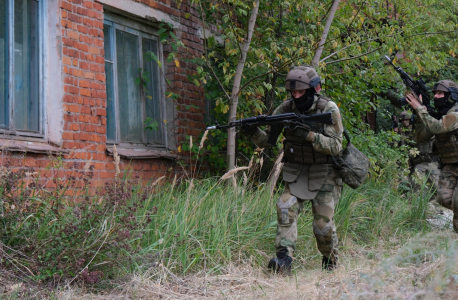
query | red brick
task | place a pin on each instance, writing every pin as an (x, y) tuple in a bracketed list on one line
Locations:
[(66, 5), (73, 90), (84, 65), (72, 34), (67, 136), (100, 77), (83, 83), (101, 112), (89, 75), (67, 60), (85, 110), (73, 53), (74, 127), (87, 4), (85, 92)]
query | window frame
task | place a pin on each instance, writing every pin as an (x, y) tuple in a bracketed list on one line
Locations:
[(141, 30), (12, 131)]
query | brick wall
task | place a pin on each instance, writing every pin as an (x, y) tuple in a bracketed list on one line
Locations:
[(85, 98)]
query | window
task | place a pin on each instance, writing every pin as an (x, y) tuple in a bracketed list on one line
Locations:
[(129, 104), (20, 105)]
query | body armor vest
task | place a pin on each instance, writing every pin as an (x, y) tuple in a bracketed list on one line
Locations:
[(425, 147), (298, 149), (447, 146)]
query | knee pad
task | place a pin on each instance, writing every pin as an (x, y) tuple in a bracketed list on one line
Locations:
[(323, 231), (285, 208)]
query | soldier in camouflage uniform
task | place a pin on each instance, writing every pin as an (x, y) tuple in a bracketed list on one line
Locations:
[(308, 172), (406, 130), (446, 134), (424, 163)]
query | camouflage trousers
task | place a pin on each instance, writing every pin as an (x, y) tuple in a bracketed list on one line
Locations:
[(323, 206), (427, 169), (447, 193)]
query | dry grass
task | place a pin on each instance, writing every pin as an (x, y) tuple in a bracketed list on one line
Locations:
[(386, 272)]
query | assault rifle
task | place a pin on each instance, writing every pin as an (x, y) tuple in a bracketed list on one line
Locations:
[(278, 122), (418, 87)]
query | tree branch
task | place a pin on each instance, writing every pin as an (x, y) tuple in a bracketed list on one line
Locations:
[(331, 55), (341, 73), (253, 79), (324, 35), (428, 33), (236, 85), (350, 58)]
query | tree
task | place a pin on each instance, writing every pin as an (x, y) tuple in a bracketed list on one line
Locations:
[(244, 66)]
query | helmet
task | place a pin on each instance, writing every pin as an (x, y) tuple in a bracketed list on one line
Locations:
[(302, 78), (447, 86), (444, 86), (405, 115)]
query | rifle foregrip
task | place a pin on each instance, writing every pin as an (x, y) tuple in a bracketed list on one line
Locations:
[(275, 130)]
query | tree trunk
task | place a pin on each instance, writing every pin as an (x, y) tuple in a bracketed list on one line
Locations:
[(324, 35), (236, 87)]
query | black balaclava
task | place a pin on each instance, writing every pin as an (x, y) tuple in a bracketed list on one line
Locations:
[(304, 102), (442, 104)]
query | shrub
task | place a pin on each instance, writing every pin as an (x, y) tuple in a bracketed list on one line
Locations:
[(48, 235)]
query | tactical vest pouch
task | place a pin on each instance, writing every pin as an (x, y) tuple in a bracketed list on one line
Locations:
[(305, 154), (352, 165), (447, 147)]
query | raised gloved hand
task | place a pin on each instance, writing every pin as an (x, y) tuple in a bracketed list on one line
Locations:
[(249, 130)]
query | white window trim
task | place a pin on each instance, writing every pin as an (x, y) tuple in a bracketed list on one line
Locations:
[(12, 132), (139, 29)]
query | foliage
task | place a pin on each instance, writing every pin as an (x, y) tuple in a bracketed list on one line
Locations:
[(48, 235), (419, 35), (382, 150)]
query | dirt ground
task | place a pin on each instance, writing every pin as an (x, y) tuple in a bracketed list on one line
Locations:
[(424, 267)]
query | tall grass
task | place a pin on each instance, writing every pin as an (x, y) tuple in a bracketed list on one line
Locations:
[(214, 224), (195, 226)]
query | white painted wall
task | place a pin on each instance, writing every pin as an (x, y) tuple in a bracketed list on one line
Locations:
[(53, 74), (142, 11)]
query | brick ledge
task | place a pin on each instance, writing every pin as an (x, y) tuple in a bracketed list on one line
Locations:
[(32, 147), (142, 154)]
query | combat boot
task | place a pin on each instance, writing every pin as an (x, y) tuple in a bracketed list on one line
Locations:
[(281, 264), (328, 264)]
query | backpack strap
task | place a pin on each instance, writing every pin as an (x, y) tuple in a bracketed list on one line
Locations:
[(321, 103)]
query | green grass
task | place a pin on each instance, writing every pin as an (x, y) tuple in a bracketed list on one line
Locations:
[(202, 228), (214, 224)]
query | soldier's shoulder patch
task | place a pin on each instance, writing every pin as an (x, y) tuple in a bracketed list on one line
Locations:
[(449, 120)]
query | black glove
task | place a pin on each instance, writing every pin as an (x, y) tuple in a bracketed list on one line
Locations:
[(249, 129), (301, 132)]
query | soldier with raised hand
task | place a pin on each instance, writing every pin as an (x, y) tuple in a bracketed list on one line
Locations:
[(308, 172), (446, 134)]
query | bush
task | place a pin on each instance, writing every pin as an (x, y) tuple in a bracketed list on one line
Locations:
[(48, 235)]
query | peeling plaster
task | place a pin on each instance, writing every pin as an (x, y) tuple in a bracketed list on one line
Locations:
[(141, 10), (54, 74)]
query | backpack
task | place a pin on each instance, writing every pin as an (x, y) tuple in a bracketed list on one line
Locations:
[(352, 165)]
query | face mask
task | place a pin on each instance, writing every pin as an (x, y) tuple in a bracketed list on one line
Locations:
[(304, 102), (442, 105)]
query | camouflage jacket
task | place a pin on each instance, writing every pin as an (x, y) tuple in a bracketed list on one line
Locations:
[(306, 180), (445, 131), (424, 139), (407, 136), (328, 142), (447, 123)]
